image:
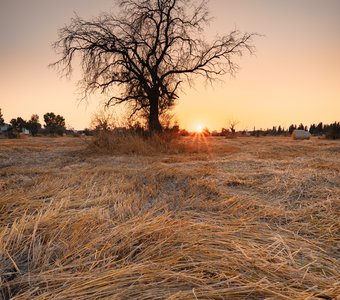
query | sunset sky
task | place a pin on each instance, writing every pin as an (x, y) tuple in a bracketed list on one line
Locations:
[(293, 77)]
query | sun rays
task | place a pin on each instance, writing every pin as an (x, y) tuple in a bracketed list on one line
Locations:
[(200, 141)]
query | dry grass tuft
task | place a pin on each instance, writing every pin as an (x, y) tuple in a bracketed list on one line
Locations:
[(114, 142), (221, 219)]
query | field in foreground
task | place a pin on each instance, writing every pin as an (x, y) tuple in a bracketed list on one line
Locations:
[(234, 219)]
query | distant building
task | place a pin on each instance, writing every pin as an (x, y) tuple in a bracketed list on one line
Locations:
[(25, 131), (5, 127)]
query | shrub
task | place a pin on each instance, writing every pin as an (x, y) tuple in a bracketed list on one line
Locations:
[(333, 131), (125, 141)]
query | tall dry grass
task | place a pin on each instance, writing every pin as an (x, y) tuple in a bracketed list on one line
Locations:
[(131, 142), (233, 219)]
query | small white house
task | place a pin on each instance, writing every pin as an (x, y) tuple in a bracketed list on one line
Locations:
[(4, 127), (25, 131)]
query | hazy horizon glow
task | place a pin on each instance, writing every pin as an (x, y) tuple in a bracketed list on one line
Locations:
[(293, 77)]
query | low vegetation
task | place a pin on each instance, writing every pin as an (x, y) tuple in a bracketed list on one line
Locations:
[(212, 218)]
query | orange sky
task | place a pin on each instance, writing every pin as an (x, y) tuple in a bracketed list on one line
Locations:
[(293, 77)]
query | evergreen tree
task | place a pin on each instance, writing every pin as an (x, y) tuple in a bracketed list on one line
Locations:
[(319, 129), (312, 129), (301, 127), (333, 131), (2, 121), (274, 130), (279, 130), (291, 128)]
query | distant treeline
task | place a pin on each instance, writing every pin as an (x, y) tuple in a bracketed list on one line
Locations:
[(330, 131), (54, 125)]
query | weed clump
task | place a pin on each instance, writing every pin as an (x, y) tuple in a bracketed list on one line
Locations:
[(131, 142)]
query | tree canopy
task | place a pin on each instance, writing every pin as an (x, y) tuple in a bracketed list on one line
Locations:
[(33, 125), (55, 124), (18, 124), (143, 54)]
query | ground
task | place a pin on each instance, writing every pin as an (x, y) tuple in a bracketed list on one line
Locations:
[(244, 218)]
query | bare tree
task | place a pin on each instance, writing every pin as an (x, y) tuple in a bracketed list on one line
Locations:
[(232, 125), (142, 55)]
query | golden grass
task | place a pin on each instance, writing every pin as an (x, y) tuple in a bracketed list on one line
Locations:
[(248, 218), (109, 142)]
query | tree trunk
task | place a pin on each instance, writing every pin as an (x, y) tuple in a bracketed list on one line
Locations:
[(154, 124)]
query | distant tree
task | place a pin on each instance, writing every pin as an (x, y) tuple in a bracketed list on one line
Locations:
[(2, 121), (225, 131), (274, 130), (312, 129), (253, 133), (88, 132), (232, 126), (33, 125), (105, 120), (175, 129), (301, 127), (184, 132), (205, 131), (54, 124), (143, 55), (319, 129), (291, 128), (18, 124), (332, 131), (279, 130)]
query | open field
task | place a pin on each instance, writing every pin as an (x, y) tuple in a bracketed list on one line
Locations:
[(247, 218)]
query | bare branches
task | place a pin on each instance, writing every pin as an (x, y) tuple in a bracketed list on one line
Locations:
[(145, 53), (213, 60)]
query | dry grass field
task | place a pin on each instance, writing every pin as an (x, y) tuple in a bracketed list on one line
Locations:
[(247, 218)]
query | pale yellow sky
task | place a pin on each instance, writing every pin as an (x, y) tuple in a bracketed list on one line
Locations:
[(293, 77)]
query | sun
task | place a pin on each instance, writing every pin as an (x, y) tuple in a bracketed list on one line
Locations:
[(199, 128)]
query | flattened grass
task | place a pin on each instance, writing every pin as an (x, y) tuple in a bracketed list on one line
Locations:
[(229, 219)]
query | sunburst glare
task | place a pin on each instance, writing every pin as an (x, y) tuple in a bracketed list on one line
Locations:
[(199, 128)]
